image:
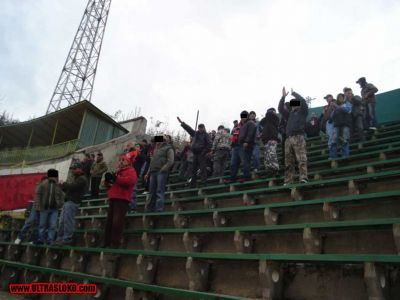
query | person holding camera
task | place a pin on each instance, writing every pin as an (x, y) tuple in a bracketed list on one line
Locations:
[(295, 144), (160, 166), (120, 187)]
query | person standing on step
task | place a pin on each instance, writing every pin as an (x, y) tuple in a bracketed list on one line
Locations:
[(312, 126), (326, 118), (342, 121), (99, 167), (357, 113), (235, 125), (220, 149), (120, 188), (255, 157), (295, 144), (201, 146), (243, 150), (368, 91), (87, 163), (235, 152), (159, 169), (49, 198), (269, 136), (74, 192), (32, 221), (282, 130)]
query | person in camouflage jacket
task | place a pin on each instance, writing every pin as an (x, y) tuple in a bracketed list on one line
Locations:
[(220, 151), (368, 91)]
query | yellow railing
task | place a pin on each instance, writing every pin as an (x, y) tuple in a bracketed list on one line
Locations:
[(36, 154)]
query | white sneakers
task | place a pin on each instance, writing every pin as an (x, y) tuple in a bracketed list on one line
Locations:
[(17, 241)]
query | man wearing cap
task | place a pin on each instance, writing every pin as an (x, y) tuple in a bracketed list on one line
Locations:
[(326, 118), (99, 167), (201, 146), (49, 198), (295, 144), (269, 136), (220, 149), (119, 195), (368, 91), (160, 166), (74, 192)]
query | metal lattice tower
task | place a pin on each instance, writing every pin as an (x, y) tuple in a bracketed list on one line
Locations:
[(77, 76)]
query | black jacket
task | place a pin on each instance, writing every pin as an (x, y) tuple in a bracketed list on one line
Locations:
[(201, 142), (296, 120), (248, 133), (270, 124), (341, 117), (312, 130), (75, 190), (357, 106)]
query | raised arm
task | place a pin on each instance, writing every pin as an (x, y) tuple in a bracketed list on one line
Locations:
[(303, 103), (187, 128), (281, 107)]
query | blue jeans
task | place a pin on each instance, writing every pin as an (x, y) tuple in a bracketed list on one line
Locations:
[(341, 135), (48, 221), (235, 162), (256, 156), (66, 226), (329, 132), (31, 222), (158, 180)]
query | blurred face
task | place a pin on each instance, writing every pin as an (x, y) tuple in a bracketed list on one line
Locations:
[(314, 115), (252, 117), (123, 163), (201, 129), (99, 158), (329, 99), (77, 171), (348, 94)]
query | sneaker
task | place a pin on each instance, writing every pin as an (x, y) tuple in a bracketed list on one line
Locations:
[(145, 193), (372, 128), (228, 181), (255, 170), (17, 241), (303, 181)]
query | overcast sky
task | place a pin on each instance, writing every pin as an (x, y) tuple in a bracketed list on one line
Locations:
[(219, 56)]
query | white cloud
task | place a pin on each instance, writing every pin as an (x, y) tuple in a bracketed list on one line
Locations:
[(173, 57)]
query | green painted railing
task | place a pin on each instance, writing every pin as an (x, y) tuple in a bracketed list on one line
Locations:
[(35, 154)]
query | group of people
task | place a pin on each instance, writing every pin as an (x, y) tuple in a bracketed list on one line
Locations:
[(204, 155)]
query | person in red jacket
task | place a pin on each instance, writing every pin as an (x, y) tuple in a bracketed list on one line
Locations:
[(119, 194)]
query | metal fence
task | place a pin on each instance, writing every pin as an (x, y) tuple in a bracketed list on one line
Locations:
[(36, 154)]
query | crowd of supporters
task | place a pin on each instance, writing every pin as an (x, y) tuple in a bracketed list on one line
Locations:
[(206, 154)]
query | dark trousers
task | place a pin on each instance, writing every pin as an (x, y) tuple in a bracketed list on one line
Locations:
[(358, 127), (199, 161), (115, 222), (95, 187), (241, 154)]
